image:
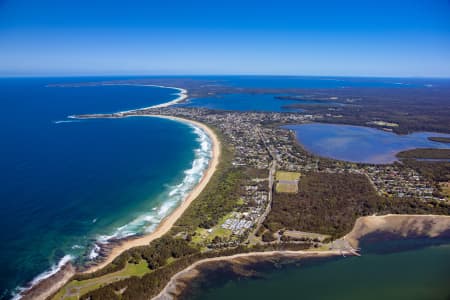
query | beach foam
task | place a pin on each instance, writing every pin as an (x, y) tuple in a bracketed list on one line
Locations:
[(173, 195), (52, 271), (148, 222)]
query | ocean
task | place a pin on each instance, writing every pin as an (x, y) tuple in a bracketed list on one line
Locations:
[(67, 185)]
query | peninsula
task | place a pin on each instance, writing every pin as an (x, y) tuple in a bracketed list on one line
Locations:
[(246, 203)]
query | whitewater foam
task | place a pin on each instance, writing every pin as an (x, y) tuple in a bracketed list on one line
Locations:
[(52, 271), (173, 194), (148, 222)]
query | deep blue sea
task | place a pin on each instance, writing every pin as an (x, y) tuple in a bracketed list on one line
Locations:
[(68, 184)]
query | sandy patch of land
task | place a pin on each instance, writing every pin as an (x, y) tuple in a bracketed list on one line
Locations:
[(402, 225)]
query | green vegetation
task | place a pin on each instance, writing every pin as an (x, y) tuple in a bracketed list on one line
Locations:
[(331, 203), (436, 171), (80, 287), (218, 198), (439, 139), (172, 252), (426, 153), (326, 203), (445, 189), (413, 109)]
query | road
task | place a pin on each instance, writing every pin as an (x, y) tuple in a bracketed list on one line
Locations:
[(272, 171)]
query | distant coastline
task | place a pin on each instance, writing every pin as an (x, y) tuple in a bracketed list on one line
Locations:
[(182, 95)]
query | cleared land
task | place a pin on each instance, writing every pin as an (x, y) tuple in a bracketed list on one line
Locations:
[(287, 182), (330, 204), (288, 187), (289, 176)]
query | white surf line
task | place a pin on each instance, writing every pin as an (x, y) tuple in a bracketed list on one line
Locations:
[(182, 95)]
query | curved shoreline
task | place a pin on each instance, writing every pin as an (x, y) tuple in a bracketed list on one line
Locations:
[(42, 291), (162, 228), (177, 283), (404, 226), (166, 224), (182, 95)]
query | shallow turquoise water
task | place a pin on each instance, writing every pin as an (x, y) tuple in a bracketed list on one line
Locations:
[(65, 185)]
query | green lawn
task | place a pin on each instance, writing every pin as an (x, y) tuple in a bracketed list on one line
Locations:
[(76, 288)]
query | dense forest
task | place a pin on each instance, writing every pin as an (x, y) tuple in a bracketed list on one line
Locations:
[(425, 153), (412, 108), (330, 204), (439, 139), (436, 171)]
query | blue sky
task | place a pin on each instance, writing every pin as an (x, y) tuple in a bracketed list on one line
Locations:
[(364, 38)]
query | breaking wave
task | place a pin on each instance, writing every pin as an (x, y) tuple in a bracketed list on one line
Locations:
[(52, 271), (173, 195)]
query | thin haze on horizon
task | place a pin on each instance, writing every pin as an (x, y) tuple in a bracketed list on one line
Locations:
[(336, 38)]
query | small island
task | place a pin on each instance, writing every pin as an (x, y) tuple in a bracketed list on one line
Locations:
[(439, 139)]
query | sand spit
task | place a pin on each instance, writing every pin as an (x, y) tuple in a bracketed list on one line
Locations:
[(431, 226)]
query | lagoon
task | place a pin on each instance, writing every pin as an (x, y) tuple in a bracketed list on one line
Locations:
[(359, 143)]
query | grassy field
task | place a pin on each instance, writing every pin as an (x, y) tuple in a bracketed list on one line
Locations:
[(287, 187), (283, 175), (76, 288), (204, 236)]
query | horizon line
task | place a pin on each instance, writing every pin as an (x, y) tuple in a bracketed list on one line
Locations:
[(217, 74)]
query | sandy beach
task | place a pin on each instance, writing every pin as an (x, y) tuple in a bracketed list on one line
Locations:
[(402, 225), (170, 220), (182, 95)]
